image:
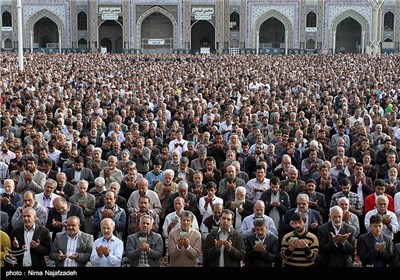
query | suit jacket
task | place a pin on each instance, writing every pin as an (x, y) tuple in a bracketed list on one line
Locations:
[(37, 255), (36, 185), (321, 205), (88, 211), (336, 255), (69, 190), (189, 175), (367, 253), (283, 198), (86, 174), (265, 259), (51, 175), (328, 192), (74, 210), (313, 216), (233, 257), (156, 249), (84, 246), (294, 190), (367, 188)]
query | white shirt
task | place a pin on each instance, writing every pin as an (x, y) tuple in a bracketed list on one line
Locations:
[(28, 234), (71, 249), (114, 259)]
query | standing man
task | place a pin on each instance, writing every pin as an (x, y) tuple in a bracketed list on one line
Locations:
[(107, 250), (262, 247), (299, 248), (336, 241), (33, 238), (145, 247), (374, 247), (224, 246), (184, 243), (72, 248)]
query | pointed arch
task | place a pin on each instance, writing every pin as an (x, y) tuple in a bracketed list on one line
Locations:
[(7, 43), (279, 16), (234, 43), (354, 15), (37, 16), (156, 9)]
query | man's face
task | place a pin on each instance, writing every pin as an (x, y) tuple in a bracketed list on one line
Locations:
[(145, 226), (72, 227), (144, 204), (226, 221), (107, 230), (28, 218), (49, 189), (78, 166)]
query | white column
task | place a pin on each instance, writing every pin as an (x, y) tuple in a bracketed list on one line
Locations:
[(363, 41), (59, 41), (31, 39), (334, 42), (286, 42), (257, 40), (20, 43), (377, 6)]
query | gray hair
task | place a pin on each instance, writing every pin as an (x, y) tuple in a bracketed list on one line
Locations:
[(183, 185)]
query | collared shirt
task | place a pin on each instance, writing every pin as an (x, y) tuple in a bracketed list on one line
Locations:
[(247, 225), (46, 201), (71, 249), (222, 236), (77, 175), (28, 235), (255, 184), (116, 247)]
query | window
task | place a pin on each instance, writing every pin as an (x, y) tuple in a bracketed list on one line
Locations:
[(82, 21), (7, 19), (311, 20), (310, 44), (388, 21), (234, 21)]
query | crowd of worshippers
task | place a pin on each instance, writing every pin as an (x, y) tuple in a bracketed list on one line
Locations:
[(200, 160)]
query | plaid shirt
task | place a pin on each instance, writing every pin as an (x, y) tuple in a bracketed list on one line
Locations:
[(133, 221), (354, 200)]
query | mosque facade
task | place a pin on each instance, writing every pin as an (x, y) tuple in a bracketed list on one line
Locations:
[(202, 26)]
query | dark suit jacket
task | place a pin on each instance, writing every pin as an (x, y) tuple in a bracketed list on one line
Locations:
[(332, 255), (321, 206), (367, 188), (283, 199), (313, 216), (37, 255), (83, 248), (294, 191), (367, 253), (69, 190), (266, 259), (86, 174), (328, 192), (233, 257), (74, 210), (51, 175)]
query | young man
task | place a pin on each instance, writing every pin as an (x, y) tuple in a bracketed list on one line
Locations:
[(375, 248), (299, 248)]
